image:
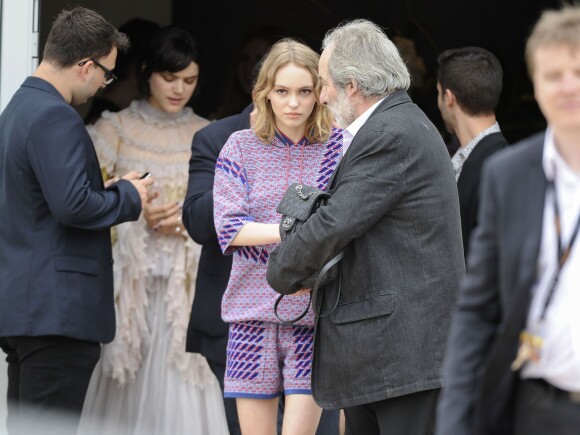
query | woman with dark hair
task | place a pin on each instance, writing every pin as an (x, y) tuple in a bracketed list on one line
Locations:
[(145, 382)]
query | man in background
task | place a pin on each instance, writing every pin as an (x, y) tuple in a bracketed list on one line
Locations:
[(207, 333), (468, 86)]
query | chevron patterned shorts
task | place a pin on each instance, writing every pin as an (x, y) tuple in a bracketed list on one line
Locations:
[(266, 359)]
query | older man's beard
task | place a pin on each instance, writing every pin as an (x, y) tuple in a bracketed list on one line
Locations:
[(342, 109)]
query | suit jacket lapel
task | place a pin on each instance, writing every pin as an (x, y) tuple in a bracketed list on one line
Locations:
[(531, 229), (494, 413)]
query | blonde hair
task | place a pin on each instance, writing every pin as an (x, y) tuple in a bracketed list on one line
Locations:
[(284, 52), (555, 27)]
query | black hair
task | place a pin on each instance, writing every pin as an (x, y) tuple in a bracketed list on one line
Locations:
[(172, 50), (140, 32), (81, 34), (474, 75)]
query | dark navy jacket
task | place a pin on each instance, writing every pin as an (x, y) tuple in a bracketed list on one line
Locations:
[(56, 268), (207, 333)]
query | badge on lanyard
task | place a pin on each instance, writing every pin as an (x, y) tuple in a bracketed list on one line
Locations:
[(530, 344), (529, 350)]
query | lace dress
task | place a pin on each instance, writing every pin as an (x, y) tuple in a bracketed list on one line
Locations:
[(145, 382)]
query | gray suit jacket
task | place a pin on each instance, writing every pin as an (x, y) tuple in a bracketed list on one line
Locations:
[(394, 211), (493, 302)]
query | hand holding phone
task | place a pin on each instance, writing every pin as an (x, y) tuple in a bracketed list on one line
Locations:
[(145, 175)]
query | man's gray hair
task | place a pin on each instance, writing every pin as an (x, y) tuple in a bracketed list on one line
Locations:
[(361, 52)]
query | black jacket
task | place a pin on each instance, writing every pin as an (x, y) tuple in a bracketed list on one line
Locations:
[(207, 333), (468, 183), (394, 211), (494, 297)]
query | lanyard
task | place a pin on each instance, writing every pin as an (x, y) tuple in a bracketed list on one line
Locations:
[(563, 252)]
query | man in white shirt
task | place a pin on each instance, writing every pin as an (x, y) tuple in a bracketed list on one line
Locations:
[(513, 361)]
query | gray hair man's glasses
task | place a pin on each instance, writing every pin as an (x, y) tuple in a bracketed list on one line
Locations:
[(109, 76)]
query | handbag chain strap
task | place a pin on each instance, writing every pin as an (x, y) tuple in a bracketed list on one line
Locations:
[(314, 294), (301, 195)]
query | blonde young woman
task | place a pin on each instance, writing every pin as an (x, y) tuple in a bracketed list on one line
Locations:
[(146, 383), (292, 141)]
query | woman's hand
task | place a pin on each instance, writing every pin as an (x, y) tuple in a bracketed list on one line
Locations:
[(302, 291), (165, 218)]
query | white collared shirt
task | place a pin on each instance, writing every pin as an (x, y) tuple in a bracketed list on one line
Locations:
[(351, 131), (560, 354)]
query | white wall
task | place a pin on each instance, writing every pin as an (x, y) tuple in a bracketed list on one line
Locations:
[(19, 46)]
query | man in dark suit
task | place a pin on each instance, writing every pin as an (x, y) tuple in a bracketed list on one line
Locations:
[(56, 281), (468, 86), (207, 333), (393, 212), (513, 358)]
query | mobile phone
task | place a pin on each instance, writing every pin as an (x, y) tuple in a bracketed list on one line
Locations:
[(145, 175)]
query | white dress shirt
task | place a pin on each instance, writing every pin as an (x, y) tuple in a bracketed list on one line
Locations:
[(559, 362), (351, 131)]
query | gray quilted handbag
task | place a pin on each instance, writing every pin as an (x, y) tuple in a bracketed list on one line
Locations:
[(299, 203)]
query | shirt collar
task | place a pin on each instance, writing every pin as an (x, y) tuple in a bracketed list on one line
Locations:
[(463, 153), (473, 142), (554, 164), (287, 141), (356, 125), (349, 132)]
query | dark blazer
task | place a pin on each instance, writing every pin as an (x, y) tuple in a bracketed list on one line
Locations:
[(468, 183), (207, 333), (494, 297), (394, 211), (56, 273)]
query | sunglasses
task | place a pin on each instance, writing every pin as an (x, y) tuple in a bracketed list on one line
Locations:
[(109, 76)]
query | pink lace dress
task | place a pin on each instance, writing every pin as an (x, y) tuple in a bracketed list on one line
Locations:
[(145, 382)]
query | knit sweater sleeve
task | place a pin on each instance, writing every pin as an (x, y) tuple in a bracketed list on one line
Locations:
[(231, 194)]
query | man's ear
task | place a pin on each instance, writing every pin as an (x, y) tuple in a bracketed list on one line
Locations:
[(85, 70), (351, 88), (449, 98)]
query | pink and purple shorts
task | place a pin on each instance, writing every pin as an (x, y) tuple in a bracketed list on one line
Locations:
[(267, 359)]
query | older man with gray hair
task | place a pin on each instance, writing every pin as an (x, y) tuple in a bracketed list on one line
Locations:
[(394, 213)]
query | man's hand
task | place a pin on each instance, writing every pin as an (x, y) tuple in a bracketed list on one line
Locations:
[(140, 184), (111, 181)]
